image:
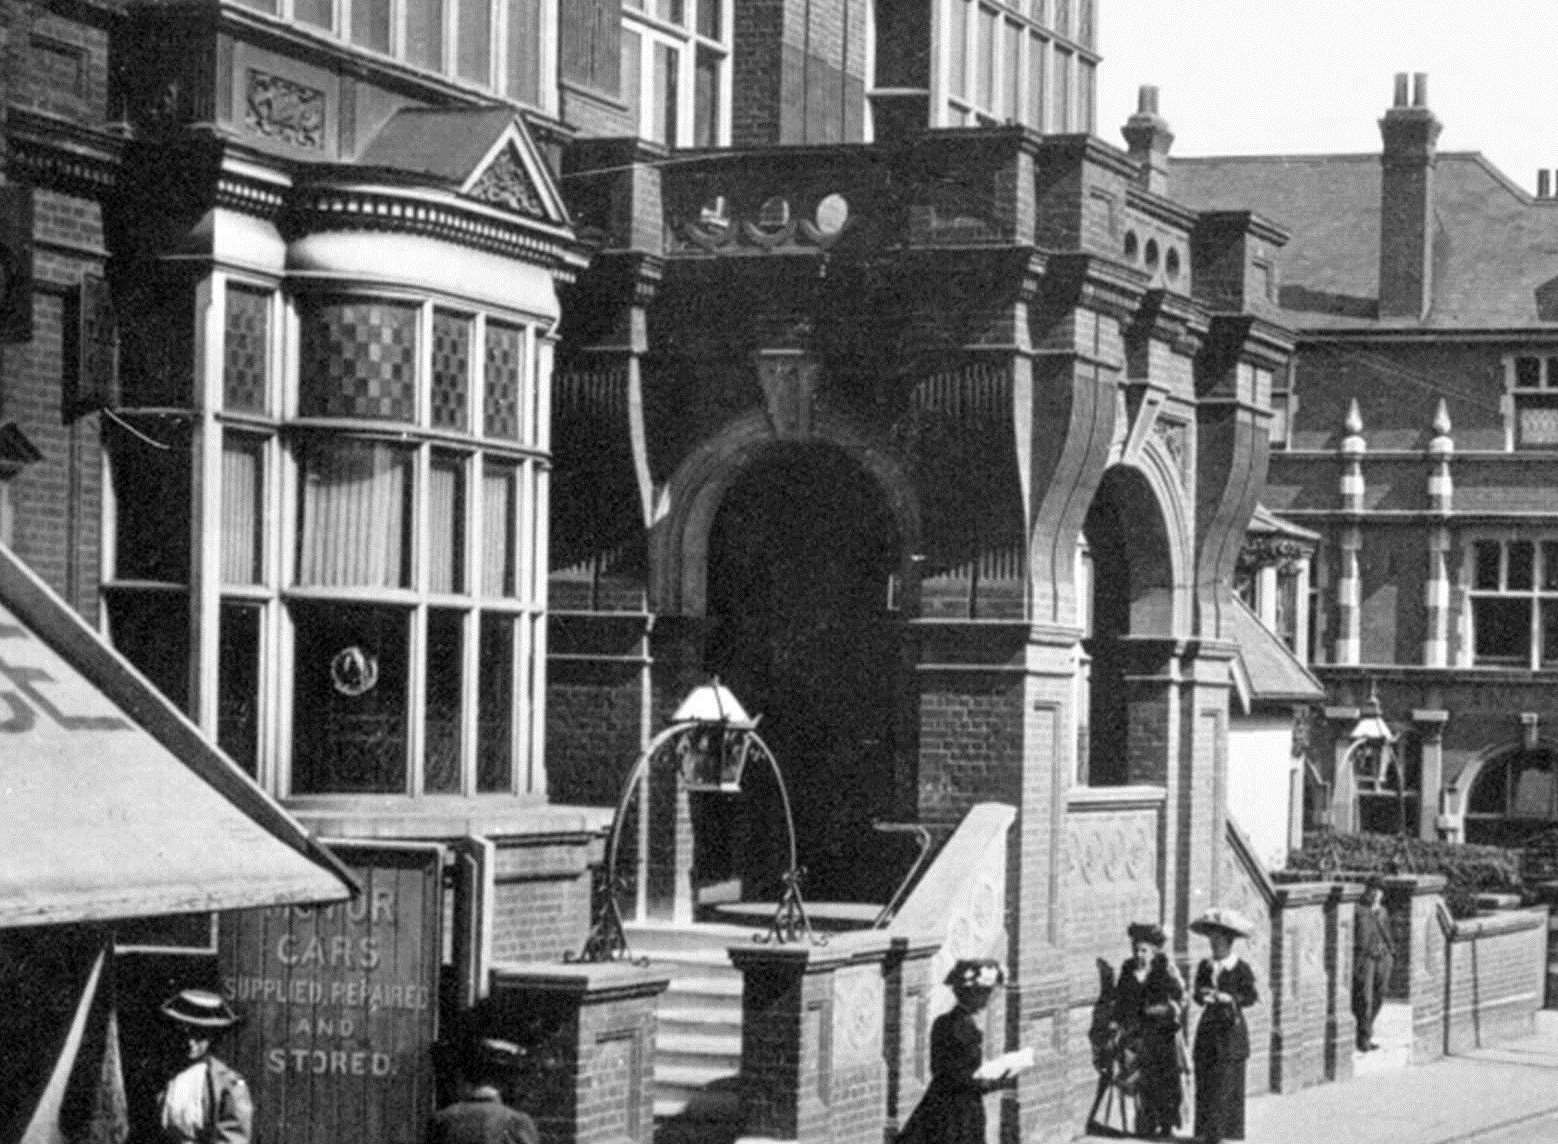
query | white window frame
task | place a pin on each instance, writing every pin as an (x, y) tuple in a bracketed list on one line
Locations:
[(688, 42), (1545, 389), (951, 109), (1537, 596)]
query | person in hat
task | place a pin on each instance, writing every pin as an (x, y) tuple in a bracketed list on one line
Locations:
[(1373, 957), (1224, 987), (206, 1101), (479, 1116), (952, 1111), (1149, 1003)]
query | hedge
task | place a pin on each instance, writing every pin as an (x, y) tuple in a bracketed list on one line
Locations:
[(1468, 869)]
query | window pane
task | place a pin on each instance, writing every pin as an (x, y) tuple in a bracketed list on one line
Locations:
[(1522, 553), (1063, 16), (1532, 796), (666, 76), (318, 13), (1487, 560), (1503, 631), (671, 11), (446, 523), (524, 50), (1087, 83), (451, 370), (498, 501), (957, 48), (1528, 372), (1060, 108), (425, 33), (985, 53), (1279, 419), (371, 24), (1537, 426), (1550, 374), (355, 514), (245, 349), (243, 485), (710, 18), (1549, 566), (445, 670), (495, 736), (152, 499), (358, 359), (349, 699), (705, 110), (504, 374), (1011, 106), (151, 630), (474, 40), (1549, 620), (632, 73), (1037, 91), (238, 683)]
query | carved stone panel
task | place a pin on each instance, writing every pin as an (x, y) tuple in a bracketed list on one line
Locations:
[(279, 108)]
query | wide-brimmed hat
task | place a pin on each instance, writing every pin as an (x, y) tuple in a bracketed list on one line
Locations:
[(1148, 932), (1222, 920), (976, 973), (492, 1052), (200, 1009)]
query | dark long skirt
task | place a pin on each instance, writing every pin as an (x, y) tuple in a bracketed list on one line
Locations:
[(1219, 1091)]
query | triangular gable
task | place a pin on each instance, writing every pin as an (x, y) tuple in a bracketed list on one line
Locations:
[(512, 175), (485, 153)]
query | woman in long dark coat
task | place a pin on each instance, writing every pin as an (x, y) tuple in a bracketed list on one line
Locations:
[(1225, 986), (1149, 1001), (952, 1111)]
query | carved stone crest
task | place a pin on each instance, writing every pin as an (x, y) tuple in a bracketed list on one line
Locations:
[(506, 183), (278, 108)]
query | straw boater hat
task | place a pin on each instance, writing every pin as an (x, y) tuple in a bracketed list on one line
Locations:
[(1222, 920), (976, 972), (200, 1009), (1147, 932)]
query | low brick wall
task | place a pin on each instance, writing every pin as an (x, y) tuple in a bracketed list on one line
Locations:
[(1494, 968)]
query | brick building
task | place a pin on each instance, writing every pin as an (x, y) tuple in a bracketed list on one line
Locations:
[(426, 396), (1414, 432)]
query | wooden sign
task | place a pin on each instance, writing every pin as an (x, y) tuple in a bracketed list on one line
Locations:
[(340, 1004)]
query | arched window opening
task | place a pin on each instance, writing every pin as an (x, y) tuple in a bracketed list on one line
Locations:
[(1513, 798)]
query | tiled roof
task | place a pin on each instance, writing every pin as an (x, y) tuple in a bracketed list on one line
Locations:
[(1495, 246), (1269, 672)]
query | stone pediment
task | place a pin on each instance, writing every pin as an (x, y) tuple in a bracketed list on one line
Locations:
[(484, 154)]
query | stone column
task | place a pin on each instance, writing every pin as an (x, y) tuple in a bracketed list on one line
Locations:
[(1198, 788), (1430, 731), (812, 1029), (1300, 985), (588, 1033)]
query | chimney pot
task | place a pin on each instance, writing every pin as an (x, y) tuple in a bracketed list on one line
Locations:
[(1401, 89), (1420, 89), (1147, 99), (1544, 186)]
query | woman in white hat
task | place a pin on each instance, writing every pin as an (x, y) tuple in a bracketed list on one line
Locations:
[(206, 1102), (1225, 987)]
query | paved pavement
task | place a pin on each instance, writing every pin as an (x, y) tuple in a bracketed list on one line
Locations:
[(1503, 1095)]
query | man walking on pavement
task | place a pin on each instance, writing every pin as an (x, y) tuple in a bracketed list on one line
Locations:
[(479, 1116), (1373, 955)]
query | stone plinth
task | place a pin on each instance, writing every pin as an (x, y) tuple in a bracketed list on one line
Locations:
[(906, 1025), (1413, 901), (588, 1033), (812, 1039), (1311, 966)]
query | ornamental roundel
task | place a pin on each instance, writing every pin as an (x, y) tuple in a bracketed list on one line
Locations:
[(354, 671)]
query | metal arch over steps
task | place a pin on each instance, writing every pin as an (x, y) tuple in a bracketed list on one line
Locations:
[(709, 729)]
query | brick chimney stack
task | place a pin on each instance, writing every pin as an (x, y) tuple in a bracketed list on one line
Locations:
[(1148, 136), (1410, 133)]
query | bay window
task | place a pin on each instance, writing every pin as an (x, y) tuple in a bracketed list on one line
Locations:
[(1007, 61), (675, 70), (366, 607)]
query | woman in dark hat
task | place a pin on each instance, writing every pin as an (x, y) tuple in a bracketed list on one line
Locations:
[(952, 1111), (1149, 1003), (206, 1102), (1225, 986)]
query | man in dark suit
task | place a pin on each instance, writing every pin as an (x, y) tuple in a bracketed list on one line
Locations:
[(1373, 955), (480, 1116)]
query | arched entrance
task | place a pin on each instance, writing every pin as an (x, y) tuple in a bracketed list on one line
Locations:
[(1514, 797), (1131, 572), (802, 557)]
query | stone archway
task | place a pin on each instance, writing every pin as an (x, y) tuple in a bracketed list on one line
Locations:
[(1508, 794), (1138, 609), (794, 556)]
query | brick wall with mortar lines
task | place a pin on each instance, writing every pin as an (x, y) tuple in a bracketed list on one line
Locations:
[(1496, 967), (594, 732), (64, 65), (1297, 996), (1111, 880), (541, 900), (970, 742), (58, 500)]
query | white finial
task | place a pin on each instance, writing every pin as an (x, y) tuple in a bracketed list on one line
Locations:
[(1442, 420), (1354, 422)]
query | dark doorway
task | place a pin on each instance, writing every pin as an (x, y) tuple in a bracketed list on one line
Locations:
[(801, 557)]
